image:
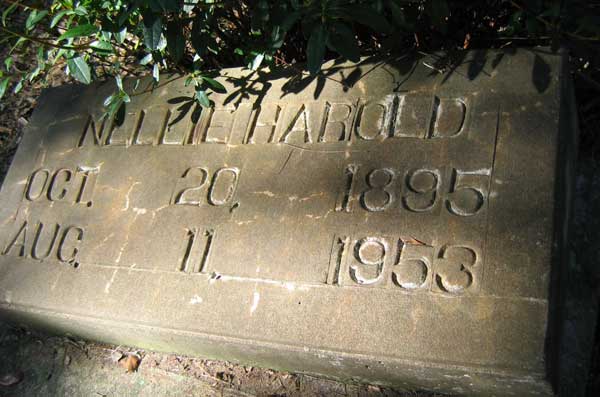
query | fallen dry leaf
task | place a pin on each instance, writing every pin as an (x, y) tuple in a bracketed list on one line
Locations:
[(11, 379), (130, 362)]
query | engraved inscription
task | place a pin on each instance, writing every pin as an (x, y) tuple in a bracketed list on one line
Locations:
[(345, 202), (409, 115), (338, 257), (403, 263), (467, 192), (376, 197), (455, 268), (421, 190), (369, 256), (197, 250), (412, 270), (63, 184), (46, 241), (197, 186), (416, 190)]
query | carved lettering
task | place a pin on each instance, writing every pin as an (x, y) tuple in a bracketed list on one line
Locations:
[(337, 122), (63, 185), (196, 255), (377, 197), (369, 257), (371, 121), (420, 190), (19, 240), (413, 269), (223, 186), (49, 240), (448, 118), (468, 191), (264, 126), (367, 261), (190, 195), (94, 131), (345, 203), (219, 125), (220, 191), (412, 115), (455, 269), (69, 245), (37, 184), (338, 259), (59, 183), (297, 126), (422, 187)]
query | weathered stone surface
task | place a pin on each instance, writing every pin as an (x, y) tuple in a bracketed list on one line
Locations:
[(402, 227)]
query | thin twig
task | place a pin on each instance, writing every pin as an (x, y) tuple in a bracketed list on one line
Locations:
[(44, 42)]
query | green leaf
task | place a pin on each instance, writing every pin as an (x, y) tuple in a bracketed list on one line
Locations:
[(3, 86), (120, 35), (214, 84), (81, 11), (19, 42), (315, 50), (58, 55), (102, 47), (146, 59), (188, 5), (175, 40), (119, 82), (202, 98), (78, 31), (79, 69), (34, 17), (56, 19), (152, 27), (156, 72), (257, 60), (7, 12), (115, 106), (19, 86), (342, 39), (8, 63)]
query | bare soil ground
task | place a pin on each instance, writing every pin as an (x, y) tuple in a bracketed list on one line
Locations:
[(44, 365)]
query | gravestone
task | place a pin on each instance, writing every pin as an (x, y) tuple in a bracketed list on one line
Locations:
[(396, 222)]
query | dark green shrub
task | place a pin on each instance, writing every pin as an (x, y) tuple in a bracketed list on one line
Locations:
[(90, 39)]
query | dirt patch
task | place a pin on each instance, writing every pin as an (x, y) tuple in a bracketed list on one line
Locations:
[(58, 366)]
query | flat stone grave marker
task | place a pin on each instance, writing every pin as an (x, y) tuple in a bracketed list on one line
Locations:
[(396, 222)]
